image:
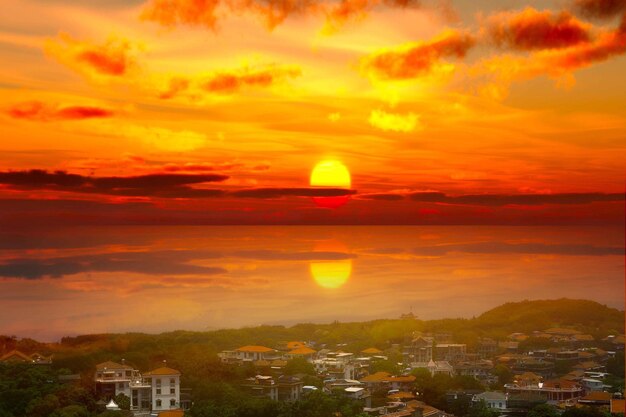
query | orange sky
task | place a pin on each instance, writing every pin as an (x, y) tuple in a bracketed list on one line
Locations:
[(444, 112)]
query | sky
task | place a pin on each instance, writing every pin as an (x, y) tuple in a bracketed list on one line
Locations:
[(217, 111), (475, 149)]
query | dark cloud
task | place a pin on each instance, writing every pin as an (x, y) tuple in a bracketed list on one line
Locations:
[(161, 262), (37, 110), (600, 8), (513, 248), (498, 199), (416, 59), (292, 192), (156, 263), (532, 29), (151, 185)]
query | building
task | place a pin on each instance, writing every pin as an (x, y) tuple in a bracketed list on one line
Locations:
[(284, 388), (156, 390), (554, 391), (15, 356), (435, 367), (420, 350), (450, 352), (493, 399), (165, 387), (386, 381), (487, 348)]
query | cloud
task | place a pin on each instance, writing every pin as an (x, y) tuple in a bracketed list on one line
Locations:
[(600, 8), (394, 121), (234, 81), (228, 82), (344, 11), (154, 262), (39, 111), (207, 13), (497, 199), (532, 29), (555, 63), (151, 185), (416, 59), (513, 248), (142, 185), (113, 59), (158, 262), (292, 192)]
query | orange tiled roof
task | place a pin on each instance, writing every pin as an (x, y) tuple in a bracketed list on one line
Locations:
[(172, 413), (618, 406), (253, 348), (598, 396), (163, 371), (563, 383), (386, 376), (295, 345), (562, 331), (583, 337), (302, 351), (16, 354), (402, 395), (112, 365), (372, 350)]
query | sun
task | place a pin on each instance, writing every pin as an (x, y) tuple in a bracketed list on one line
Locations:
[(331, 275), (331, 173)]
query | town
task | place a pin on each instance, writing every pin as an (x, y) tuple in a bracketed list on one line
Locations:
[(545, 372)]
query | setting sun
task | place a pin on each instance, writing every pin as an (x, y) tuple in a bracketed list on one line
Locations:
[(330, 174)]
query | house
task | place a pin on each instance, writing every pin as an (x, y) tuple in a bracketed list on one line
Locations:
[(420, 350), (480, 369), (557, 390), (359, 394), (301, 352), (596, 398), (254, 353), (156, 390), (450, 352), (493, 399), (165, 387), (15, 356), (384, 380), (435, 367), (284, 388)]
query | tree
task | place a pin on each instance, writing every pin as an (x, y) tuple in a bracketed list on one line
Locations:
[(585, 412), (481, 409), (43, 406), (71, 411), (503, 373), (122, 401), (543, 410), (299, 366)]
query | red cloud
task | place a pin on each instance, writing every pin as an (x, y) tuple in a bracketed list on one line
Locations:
[(36, 110), (176, 86), (274, 12), (347, 10), (532, 29), (112, 59), (601, 8), (230, 82), (417, 59)]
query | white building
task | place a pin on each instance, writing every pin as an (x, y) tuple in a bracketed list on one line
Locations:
[(165, 386)]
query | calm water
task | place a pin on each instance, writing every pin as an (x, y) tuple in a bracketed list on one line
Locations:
[(153, 279)]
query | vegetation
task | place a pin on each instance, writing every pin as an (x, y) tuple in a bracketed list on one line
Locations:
[(32, 391)]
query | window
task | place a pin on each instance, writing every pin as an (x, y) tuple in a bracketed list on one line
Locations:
[(158, 381), (158, 403), (172, 381), (120, 385), (158, 391), (172, 391), (172, 402)]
